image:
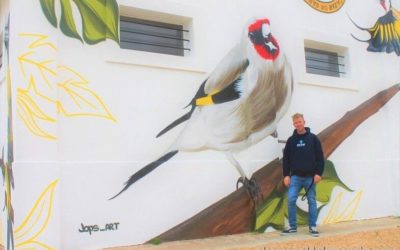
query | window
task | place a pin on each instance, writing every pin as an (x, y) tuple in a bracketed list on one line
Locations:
[(152, 36), (325, 60), (322, 62)]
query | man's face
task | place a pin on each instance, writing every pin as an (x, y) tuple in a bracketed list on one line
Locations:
[(298, 123)]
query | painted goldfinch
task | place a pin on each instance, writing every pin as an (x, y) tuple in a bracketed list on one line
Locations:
[(239, 104)]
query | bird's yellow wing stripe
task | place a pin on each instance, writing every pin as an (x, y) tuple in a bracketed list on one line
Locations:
[(206, 100)]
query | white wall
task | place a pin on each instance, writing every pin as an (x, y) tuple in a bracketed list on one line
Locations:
[(93, 157)]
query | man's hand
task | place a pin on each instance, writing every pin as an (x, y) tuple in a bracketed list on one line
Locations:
[(317, 178), (286, 181)]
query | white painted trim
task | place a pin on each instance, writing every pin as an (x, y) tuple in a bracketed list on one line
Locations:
[(155, 60)]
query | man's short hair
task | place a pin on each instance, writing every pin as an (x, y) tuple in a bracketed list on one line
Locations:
[(297, 115)]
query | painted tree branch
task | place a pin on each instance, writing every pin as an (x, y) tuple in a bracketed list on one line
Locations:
[(235, 214)]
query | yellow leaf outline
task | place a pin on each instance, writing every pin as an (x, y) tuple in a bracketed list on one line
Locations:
[(29, 111), (75, 87), (40, 41), (81, 84), (35, 245), (39, 215), (335, 215), (42, 66)]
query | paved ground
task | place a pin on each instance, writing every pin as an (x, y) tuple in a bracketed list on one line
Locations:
[(383, 233)]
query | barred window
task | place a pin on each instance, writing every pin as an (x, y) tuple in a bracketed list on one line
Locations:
[(322, 62), (152, 36)]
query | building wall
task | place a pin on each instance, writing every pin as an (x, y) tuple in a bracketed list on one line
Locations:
[(71, 160)]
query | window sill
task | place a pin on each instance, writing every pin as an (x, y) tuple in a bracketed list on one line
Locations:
[(155, 60), (328, 81)]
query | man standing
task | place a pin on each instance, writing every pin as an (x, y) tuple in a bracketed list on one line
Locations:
[(303, 165)]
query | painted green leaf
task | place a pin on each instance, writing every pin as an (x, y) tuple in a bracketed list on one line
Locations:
[(329, 181), (111, 20), (274, 209), (49, 11), (99, 19), (272, 212), (67, 23), (155, 241)]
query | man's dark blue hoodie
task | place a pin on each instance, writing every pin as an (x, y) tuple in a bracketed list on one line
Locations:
[(303, 155)]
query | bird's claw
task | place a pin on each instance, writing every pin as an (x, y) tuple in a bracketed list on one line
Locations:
[(252, 188), (241, 180)]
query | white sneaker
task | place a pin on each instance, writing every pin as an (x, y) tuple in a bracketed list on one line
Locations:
[(289, 231), (313, 231)]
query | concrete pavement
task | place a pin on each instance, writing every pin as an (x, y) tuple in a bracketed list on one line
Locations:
[(261, 241)]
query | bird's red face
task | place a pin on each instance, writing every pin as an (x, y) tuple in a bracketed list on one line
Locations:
[(264, 43)]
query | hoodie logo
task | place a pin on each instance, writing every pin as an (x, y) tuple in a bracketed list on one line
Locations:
[(301, 143)]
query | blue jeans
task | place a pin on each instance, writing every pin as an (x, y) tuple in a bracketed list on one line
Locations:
[(296, 183)]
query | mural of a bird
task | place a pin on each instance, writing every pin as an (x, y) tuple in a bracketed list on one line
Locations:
[(385, 34), (238, 105)]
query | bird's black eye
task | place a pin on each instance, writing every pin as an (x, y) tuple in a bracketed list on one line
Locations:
[(251, 36), (256, 37)]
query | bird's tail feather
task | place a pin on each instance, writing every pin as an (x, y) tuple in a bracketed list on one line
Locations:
[(145, 170), (176, 123), (358, 39), (185, 117), (358, 26)]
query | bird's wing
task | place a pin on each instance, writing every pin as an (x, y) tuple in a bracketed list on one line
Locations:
[(385, 34), (227, 87), (227, 71), (265, 101), (223, 85)]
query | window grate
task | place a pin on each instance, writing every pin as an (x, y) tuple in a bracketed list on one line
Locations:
[(151, 36), (323, 62)]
